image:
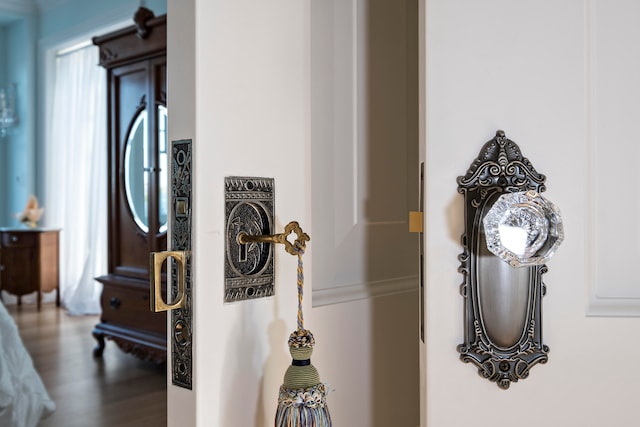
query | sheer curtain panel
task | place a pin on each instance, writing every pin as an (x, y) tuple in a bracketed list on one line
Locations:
[(76, 177)]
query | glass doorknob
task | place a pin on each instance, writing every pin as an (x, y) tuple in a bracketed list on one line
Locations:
[(523, 228)]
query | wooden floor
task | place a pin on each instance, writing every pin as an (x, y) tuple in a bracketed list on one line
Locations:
[(117, 390)]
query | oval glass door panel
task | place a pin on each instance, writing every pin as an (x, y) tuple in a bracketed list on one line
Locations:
[(163, 161), (136, 168), (503, 296)]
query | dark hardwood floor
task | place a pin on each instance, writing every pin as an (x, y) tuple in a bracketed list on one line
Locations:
[(116, 390)]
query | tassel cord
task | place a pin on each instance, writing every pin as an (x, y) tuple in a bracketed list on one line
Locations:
[(300, 283)]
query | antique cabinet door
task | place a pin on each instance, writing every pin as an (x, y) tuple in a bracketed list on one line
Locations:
[(559, 78)]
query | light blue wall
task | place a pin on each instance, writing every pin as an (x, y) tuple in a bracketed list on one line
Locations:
[(3, 146), (18, 148), (74, 12), (21, 169), (21, 142)]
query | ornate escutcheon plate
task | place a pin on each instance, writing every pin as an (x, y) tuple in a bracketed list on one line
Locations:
[(502, 304)]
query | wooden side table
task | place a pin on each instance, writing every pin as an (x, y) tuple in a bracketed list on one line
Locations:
[(29, 262)]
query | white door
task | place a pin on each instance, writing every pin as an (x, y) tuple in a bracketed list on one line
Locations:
[(562, 79), (248, 82)]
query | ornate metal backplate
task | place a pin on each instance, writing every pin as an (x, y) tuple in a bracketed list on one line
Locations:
[(181, 319), (249, 208), (502, 304)]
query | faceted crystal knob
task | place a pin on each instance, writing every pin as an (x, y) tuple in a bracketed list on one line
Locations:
[(523, 228)]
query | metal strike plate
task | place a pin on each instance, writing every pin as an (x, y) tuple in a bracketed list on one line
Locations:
[(181, 208), (416, 220), (249, 210)]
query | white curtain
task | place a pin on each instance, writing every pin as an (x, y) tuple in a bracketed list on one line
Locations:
[(77, 176)]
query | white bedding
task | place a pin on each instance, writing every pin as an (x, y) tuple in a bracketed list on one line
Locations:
[(23, 398)]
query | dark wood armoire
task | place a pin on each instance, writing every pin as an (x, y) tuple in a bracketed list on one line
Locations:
[(135, 60)]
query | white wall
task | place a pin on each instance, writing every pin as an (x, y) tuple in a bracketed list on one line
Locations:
[(526, 68), (252, 117)]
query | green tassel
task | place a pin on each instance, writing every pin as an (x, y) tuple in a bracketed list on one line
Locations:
[(303, 407), (302, 398)]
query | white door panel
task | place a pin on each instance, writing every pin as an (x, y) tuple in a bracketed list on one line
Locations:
[(284, 89), (613, 85), (363, 151), (560, 78)]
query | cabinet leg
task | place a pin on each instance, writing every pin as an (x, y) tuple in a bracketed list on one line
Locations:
[(99, 349), (19, 300), (39, 300), (57, 296)]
